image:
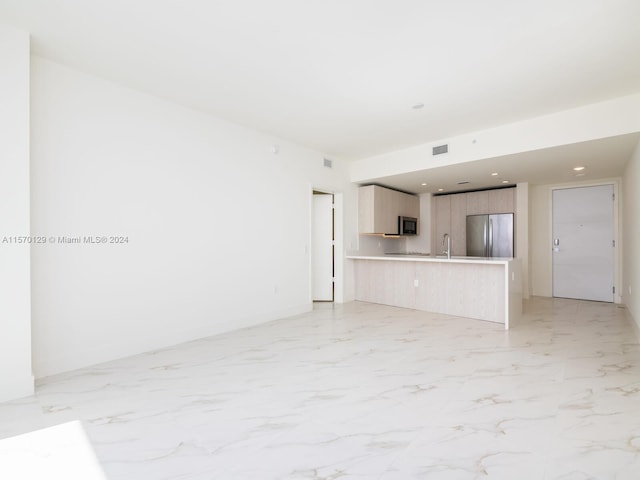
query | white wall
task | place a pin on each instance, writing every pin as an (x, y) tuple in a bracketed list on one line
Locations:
[(540, 272), (16, 379), (379, 245), (522, 235), (540, 238), (218, 225), (631, 239)]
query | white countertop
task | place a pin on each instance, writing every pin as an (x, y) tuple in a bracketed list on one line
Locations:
[(429, 258)]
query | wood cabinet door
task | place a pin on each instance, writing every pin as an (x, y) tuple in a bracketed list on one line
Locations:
[(386, 210), (443, 222), (458, 224), (502, 200), (365, 209), (377, 208), (477, 203), (410, 206), (380, 207)]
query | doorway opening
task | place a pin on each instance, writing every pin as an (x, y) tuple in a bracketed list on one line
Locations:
[(323, 247)]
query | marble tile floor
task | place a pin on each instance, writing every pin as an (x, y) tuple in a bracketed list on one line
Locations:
[(362, 391)]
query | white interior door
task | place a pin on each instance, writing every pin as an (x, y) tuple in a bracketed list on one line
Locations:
[(583, 243), (322, 248)]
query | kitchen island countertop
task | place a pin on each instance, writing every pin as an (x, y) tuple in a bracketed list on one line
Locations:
[(420, 257)]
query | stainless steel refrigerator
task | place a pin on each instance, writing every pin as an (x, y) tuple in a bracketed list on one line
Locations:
[(490, 235)]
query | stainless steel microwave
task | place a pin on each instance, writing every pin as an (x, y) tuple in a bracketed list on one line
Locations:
[(407, 225)]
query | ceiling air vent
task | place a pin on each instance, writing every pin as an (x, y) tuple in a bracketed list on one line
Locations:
[(440, 149), (328, 163)]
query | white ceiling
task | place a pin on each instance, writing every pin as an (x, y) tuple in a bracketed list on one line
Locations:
[(341, 76), (602, 158)]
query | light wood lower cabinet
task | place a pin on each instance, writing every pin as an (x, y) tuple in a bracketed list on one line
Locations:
[(387, 283), (486, 291), (464, 290)]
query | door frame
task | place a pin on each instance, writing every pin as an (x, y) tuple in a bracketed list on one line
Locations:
[(617, 233), (338, 242), (317, 193)]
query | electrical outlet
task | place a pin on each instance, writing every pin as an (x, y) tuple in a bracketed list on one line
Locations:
[(416, 283)]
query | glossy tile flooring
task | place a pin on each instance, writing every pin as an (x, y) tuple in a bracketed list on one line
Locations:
[(361, 391)]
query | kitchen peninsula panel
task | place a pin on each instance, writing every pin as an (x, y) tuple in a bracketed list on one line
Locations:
[(482, 288)]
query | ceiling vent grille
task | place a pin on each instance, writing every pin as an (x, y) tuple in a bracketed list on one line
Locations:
[(440, 149)]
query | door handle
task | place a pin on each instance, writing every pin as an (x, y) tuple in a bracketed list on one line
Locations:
[(490, 238), (485, 239), (556, 242)]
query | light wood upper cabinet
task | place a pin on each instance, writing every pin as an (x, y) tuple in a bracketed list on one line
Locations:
[(502, 200), (458, 224), (449, 214), (380, 207), (443, 222), (410, 206), (477, 203)]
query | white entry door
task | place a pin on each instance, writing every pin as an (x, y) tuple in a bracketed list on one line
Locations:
[(322, 248), (583, 243)]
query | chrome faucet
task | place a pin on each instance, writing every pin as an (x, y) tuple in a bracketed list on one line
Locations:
[(446, 239)]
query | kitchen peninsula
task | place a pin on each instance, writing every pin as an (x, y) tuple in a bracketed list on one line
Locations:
[(474, 287)]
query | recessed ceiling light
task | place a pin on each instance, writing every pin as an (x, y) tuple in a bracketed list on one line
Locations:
[(418, 106), (505, 181), (441, 189), (423, 184), (494, 174), (578, 169)]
